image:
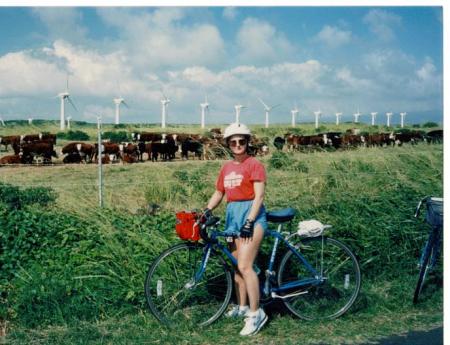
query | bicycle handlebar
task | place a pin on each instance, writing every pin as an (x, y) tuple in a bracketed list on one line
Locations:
[(419, 205)]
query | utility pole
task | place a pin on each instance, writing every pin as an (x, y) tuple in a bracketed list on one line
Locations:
[(99, 155)]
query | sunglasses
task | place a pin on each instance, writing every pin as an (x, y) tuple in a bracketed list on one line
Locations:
[(240, 142)]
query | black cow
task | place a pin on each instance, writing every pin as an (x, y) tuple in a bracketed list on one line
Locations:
[(279, 142), (190, 145)]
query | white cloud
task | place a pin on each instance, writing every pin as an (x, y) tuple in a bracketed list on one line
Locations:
[(260, 42), (229, 13), (382, 23), (62, 22), (161, 39), (333, 37)]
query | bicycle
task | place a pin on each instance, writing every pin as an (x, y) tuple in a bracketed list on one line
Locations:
[(432, 248), (317, 278)]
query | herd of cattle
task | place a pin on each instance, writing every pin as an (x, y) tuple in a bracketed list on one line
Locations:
[(40, 148)]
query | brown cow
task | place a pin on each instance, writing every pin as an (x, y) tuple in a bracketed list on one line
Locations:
[(37, 149), (9, 140), (108, 149), (11, 159), (84, 150), (146, 136)]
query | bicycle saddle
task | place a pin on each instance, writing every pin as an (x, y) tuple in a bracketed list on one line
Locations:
[(281, 216)]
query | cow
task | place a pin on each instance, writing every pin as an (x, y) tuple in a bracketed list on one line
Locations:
[(11, 159), (129, 158), (141, 149), (108, 149), (33, 150), (435, 136), (352, 140), (146, 136), (408, 137), (9, 140), (84, 150), (166, 149), (279, 142), (190, 145), (333, 139), (72, 157)]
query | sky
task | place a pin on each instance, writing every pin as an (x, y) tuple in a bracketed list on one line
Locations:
[(333, 59)]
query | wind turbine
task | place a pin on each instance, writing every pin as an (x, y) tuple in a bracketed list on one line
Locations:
[(238, 108), (338, 117), (388, 116), (30, 121), (374, 114), (204, 106), (317, 115), (68, 121), (267, 110), (63, 96), (294, 112), (402, 119), (2, 122), (118, 102), (164, 102), (356, 116)]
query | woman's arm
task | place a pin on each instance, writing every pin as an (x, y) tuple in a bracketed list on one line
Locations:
[(259, 188), (215, 200)]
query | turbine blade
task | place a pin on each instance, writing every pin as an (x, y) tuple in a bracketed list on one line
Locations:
[(274, 106), (125, 104), (264, 104), (73, 105)]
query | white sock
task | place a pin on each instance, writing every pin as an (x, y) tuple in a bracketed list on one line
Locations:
[(253, 313), (243, 307)]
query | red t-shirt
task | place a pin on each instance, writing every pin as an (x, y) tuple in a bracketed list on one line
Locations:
[(236, 179)]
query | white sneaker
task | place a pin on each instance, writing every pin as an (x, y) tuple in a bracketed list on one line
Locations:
[(237, 311), (254, 322)]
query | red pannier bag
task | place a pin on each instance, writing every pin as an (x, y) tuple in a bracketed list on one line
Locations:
[(186, 226)]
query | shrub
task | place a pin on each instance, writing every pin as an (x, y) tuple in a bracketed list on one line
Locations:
[(430, 124), (73, 135), (15, 198), (280, 160), (116, 137)]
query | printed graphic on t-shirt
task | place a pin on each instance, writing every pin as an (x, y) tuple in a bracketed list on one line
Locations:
[(232, 180)]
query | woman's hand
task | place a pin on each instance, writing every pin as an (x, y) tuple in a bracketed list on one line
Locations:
[(247, 229)]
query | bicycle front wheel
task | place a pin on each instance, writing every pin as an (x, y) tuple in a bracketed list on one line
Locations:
[(335, 293), (174, 297)]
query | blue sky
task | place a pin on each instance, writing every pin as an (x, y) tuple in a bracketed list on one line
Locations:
[(336, 59)]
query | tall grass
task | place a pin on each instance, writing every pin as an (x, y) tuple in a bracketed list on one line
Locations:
[(88, 263)]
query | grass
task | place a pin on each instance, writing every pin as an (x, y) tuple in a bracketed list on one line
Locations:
[(368, 194)]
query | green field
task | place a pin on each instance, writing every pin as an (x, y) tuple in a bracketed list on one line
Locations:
[(73, 273)]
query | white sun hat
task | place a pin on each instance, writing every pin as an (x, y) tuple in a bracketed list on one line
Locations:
[(236, 129)]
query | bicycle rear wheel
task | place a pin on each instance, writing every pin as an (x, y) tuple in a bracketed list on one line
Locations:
[(425, 262), (339, 289), (172, 295)]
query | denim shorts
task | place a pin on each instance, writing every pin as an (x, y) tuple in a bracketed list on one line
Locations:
[(236, 215)]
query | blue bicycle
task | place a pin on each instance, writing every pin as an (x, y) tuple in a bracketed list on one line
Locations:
[(431, 250), (317, 278)]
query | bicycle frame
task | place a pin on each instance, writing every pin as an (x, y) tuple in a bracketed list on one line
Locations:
[(214, 244)]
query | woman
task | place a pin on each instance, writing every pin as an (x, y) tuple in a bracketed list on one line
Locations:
[(242, 180)]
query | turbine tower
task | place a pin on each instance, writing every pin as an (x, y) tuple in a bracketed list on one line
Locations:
[(388, 119), (402, 119), (374, 114), (238, 108), (118, 102), (164, 102), (317, 115), (63, 96), (205, 107), (294, 112), (356, 116), (267, 110), (30, 121), (338, 117), (68, 121), (2, 122)]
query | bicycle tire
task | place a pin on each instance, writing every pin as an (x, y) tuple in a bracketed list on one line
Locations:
[(169, 298), (339, 290), (424, 266)]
